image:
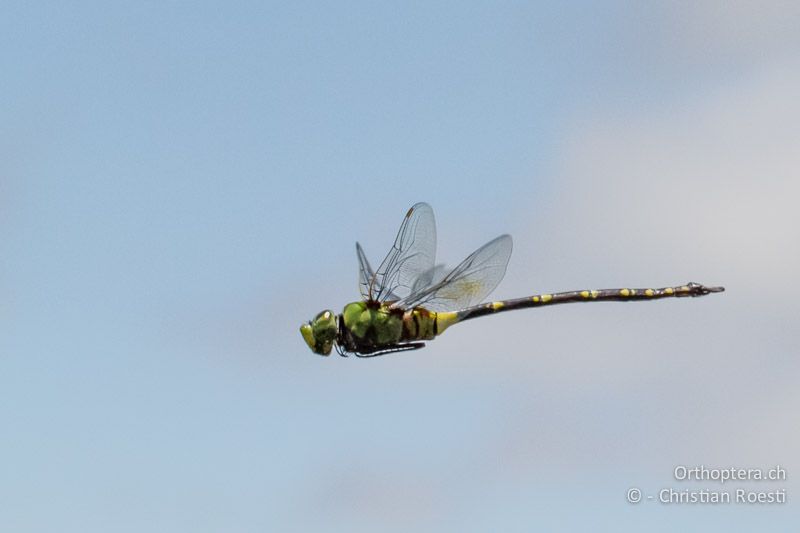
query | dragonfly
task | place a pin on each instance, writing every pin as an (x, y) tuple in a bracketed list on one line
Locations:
[(410, 299)]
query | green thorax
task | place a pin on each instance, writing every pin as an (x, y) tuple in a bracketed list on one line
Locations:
[(376, 324)]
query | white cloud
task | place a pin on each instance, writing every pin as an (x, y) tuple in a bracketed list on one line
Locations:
[(712, 182)]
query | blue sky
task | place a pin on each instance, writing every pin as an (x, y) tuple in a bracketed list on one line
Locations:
[(182, 185)]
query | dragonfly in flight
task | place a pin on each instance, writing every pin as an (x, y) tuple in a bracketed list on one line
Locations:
[(409, 299)]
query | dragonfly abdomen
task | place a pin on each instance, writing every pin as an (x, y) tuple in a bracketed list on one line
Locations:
[(600, 295), (419, 324)]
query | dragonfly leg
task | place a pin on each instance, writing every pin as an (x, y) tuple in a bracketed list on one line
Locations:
[(341, 350), (392, 349)]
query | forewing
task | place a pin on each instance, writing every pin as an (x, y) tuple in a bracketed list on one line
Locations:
[(412, 255), (468, 283)]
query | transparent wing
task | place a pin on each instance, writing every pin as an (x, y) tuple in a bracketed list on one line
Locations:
[(412, 255), (365, 272), (468, 283), (428, 278)]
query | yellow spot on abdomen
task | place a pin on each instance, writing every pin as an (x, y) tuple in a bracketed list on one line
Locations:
[(650, 292), (535, 299), (624, 292), (585, 294), (445, 320), (669, 290), (594, 294), (497, 305), (546, 298)]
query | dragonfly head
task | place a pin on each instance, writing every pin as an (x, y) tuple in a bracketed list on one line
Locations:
[(320, 333)]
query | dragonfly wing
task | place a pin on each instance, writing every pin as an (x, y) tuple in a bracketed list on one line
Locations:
[(412, 255), (432, 276), (468, 283), (365, 272)]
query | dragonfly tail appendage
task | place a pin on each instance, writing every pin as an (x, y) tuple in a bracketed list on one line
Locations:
[(447, 319)]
